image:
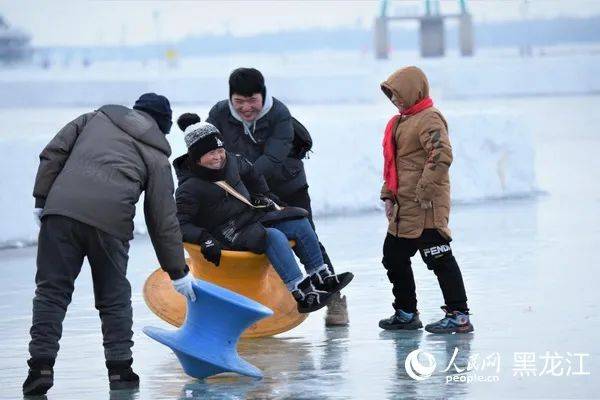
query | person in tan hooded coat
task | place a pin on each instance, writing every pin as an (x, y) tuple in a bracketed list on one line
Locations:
[(416, 192)]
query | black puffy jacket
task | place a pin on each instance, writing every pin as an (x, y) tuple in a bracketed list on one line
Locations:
[(269, 151), (205, 208)]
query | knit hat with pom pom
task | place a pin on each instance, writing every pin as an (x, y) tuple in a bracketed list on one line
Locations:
[(200, 137)]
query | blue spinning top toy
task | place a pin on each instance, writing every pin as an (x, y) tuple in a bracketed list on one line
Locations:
[(206, 342)]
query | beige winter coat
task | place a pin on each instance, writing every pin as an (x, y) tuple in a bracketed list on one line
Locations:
[(423, 156)]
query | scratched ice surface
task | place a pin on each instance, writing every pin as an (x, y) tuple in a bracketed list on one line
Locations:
[(530, 267)]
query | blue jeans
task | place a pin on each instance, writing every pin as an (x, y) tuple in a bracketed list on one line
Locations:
[(281, 255)]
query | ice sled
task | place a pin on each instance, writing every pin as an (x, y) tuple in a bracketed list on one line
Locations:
[(243, 272), (205, 344)]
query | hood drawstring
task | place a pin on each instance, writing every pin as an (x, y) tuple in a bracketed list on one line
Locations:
[(247, 130)]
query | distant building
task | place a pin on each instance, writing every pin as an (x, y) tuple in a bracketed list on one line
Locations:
[(14, 44)]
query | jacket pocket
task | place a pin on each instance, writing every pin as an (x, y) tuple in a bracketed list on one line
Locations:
[(406, 165), (291, 167)]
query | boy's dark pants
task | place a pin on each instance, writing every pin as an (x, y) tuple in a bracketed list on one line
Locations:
[(436, 253), (63, 243)]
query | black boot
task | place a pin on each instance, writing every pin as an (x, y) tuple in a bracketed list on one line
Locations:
[(40, 377), (121, 376), (326, 280), (308, 298)]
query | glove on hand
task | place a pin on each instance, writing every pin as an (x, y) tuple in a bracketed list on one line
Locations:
[(211, 249), (263, 202), (276, 199), (184, 286), (37, 216)]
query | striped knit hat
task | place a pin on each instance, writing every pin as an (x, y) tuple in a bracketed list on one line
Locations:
[(200, 137)]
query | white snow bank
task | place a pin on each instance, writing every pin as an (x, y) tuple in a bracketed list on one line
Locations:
[(302, 77), (493, 158)]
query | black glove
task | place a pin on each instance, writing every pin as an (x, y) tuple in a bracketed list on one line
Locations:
[(263, 202), (211, 249), (276, 199)]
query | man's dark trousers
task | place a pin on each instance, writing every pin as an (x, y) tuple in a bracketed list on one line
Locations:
[(436, 253), (301, 199), (62, 245)]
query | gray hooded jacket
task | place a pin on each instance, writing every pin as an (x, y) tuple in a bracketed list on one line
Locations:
[(95, 169)]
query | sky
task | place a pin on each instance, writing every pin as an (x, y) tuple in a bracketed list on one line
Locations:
[(114, 22)]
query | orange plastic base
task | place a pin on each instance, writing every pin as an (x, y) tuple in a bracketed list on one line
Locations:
[(246, 273)]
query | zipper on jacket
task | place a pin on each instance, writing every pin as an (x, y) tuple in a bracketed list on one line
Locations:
[(397, 214)]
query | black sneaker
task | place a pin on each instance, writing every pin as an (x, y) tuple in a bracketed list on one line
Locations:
[(121, 376), (327, 281), (310, 299), (40, 377), (401, 320)]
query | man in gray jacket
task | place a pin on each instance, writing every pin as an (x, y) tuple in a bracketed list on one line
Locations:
[(90, 178)]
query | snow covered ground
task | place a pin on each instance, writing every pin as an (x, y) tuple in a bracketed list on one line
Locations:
[(304, 77), (529, 268)]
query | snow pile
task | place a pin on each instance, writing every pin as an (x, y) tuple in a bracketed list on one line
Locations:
[(18, 166), (493, 158), (302, 77)]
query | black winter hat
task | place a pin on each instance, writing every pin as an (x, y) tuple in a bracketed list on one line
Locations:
[(200, 137), (246, 82), (158, 107)]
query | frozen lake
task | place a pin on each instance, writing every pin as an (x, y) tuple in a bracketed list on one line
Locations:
[(529, 268)]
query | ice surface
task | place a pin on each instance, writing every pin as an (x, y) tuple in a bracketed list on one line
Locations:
[(529, 268)]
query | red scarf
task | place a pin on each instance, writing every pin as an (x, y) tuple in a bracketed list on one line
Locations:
[(390, 174)]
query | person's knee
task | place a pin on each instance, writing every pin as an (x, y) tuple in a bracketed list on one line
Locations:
[(298, 227), (396, 266), (53, 296), (306, 231), (305, 224), (397, 271), (116, 304), (395, 255), (391, 262), (275, 236)]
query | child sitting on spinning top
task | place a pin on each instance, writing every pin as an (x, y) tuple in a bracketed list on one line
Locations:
[(214, 218)]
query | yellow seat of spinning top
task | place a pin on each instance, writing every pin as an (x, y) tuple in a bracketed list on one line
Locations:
[(243, 272)]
